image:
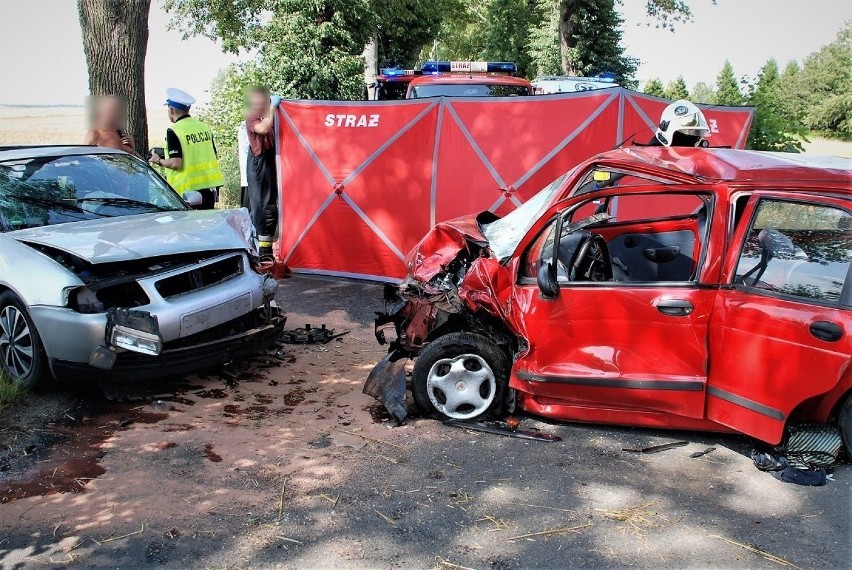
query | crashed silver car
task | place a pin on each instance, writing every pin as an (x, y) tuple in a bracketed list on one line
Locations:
[(106, 272)]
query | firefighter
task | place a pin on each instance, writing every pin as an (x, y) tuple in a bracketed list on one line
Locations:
[(190, 162), (682, 124), (261, 176)]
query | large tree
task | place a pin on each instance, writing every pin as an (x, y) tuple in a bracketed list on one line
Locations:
[(508, 29), (115, 41), (590, 39), (702, 93), (727, 87), (677, 89), (826, 87), (404, 27), (771, 128), (584, 36), (655, 88)]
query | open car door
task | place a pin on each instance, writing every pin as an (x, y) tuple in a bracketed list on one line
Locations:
[(780, 329)]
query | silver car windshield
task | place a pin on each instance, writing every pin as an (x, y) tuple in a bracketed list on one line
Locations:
[(44, 191), (505, 234)]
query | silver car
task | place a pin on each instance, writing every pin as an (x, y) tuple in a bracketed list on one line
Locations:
[(106, 271)]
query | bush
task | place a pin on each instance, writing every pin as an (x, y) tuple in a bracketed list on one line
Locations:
[(10, 392)]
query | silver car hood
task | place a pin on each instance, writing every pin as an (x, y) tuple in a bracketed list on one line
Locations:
[(125, 238)]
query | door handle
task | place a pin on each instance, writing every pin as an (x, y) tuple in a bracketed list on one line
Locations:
[(827, 331), (675, 307), (661, 254)]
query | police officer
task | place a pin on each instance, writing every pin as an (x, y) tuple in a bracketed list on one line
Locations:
[(682, 124), (190, 161)]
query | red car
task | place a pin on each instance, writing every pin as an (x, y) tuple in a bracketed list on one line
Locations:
[(704, 289)]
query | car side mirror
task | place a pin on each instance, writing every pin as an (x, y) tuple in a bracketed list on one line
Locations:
[(547, 283), (193, 198)]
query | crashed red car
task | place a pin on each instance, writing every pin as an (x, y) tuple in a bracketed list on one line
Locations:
[(700, 289)]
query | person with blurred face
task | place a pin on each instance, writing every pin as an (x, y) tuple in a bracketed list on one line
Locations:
[(107, 125), (190, 162), (262, 187)]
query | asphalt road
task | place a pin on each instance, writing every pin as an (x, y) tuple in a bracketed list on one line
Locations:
[(291, 466)]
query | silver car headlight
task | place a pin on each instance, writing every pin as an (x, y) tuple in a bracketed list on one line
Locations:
[(137, 341)]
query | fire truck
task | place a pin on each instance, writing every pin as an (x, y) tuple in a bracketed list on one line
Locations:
[(451, 79)]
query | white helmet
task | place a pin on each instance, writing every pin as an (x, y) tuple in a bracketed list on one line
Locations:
[(682, 124)]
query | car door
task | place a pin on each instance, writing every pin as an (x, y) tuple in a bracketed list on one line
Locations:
[(614, 350), (781, 326)]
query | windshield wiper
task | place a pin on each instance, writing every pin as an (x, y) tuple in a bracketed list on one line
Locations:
[(50, 203), (125, 202)]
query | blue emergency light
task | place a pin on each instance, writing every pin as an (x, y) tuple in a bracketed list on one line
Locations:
[(434, 67), (397, 72)]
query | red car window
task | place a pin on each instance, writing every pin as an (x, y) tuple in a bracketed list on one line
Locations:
[(797, 249)]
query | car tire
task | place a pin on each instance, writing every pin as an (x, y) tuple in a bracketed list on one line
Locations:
[(22, 356), (472, 366), (844, 421)]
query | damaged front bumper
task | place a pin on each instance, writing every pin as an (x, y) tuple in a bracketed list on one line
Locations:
[(417, 311), (248, 335)]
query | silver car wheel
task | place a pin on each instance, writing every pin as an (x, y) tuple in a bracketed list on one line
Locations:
[(16, 342), (462, 387)]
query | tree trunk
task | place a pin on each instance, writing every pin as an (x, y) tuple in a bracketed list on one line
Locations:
[(115, 40), (371, 65), (567, 35)]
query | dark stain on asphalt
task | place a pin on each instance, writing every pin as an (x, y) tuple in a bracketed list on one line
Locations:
[(215, 393), (71, 459), (211, 455)]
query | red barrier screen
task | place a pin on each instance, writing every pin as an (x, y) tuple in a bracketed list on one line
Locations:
[(361, 182)]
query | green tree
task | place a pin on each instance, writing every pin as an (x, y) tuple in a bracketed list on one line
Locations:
[(543, 45), (727, 87), (312, 50), (655, 87), (507, 32), (702, 93), (826, 87), (590, 37), (771, 128), (790, 92), (676, 89), (404, 27)]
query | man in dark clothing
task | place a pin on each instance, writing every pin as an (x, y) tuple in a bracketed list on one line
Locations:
[(261, 172)]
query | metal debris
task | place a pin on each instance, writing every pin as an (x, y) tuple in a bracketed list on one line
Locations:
[(702, 453), (311, 335), (500, 428), (656, 448), (386, 383)]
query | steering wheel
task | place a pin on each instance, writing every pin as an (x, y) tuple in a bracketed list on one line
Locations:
[(591, 261)]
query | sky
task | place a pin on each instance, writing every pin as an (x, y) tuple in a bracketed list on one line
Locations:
[(43, 61)]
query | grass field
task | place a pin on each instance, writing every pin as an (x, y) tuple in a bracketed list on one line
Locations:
[(60, 125)]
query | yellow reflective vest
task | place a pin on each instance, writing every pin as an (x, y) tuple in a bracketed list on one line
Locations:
[(200, 168)]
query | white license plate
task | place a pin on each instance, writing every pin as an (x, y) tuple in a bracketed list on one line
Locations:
[(214, 316)]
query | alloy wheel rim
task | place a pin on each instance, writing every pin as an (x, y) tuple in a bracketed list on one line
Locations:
[(16, 343), (461, 388)]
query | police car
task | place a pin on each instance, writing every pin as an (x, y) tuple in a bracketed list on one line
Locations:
[(550, 84), (451, 79)]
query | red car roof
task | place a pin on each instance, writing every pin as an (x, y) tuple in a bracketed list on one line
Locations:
[(735, 165)]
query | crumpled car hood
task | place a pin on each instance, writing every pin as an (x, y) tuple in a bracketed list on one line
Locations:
[(443, 243), (125, 238)]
